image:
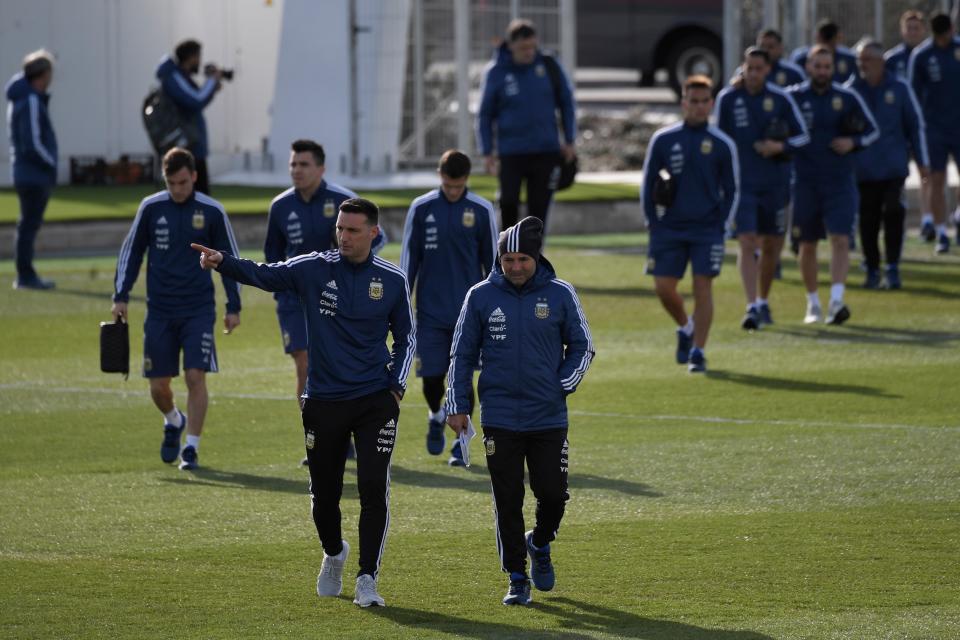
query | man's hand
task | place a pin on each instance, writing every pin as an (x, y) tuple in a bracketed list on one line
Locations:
[(768, 148), (842, 146), (490, 163), (209, 258), (119, 310), (568, 152), (230, 322), (924, 173), (458, 422)]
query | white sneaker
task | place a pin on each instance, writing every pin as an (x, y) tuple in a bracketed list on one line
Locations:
[(330, 580), (814, 313), (366, 593)]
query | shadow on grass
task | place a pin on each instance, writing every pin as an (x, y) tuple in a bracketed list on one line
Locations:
[(806, 386), (477, 480), (874, 335), (236, 480), (625, 292), (577, 621)]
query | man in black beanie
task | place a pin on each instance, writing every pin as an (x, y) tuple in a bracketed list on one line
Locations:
[(527, 328)]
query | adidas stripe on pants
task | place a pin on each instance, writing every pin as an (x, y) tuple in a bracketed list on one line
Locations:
[(327, 425)]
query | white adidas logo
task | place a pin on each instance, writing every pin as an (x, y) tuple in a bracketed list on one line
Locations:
[(332, 284), (497, 316), (676, 147), (162, 220), (430, 218), (293, 216)]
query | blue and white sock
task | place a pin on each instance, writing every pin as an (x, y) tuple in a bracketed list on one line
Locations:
[(173, 417)]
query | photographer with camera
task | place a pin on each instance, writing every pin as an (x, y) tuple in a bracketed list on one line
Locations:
[(176, 81), (767, 127)]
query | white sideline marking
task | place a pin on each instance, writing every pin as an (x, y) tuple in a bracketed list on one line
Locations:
[(591, 414)]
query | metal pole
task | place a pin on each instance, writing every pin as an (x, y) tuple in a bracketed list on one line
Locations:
[(771, 14), (568, 35), (514, 9), (878, 20), (461, 36), (418, 101), (354, 93), (732, 39)]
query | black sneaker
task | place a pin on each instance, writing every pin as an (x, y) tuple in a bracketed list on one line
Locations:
[(698, 361), (684, 344), (189, 460), (892, 281), (36, 283), (928, 232), (170, 447), (765, 316), (751, 320), (873, 279)]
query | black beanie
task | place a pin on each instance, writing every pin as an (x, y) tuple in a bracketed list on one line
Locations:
[(524, 237)]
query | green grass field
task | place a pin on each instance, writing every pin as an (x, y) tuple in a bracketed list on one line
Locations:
[(105, 203), (808, 487)]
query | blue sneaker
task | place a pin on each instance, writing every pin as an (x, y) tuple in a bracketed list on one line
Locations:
[(765, 316), (189, 458), (873, 279), (541, 568), (928, 232), (519, 591), (751, 320), (170, 448), (943, 244), (456, 457), (684, 343), (436, 440), (893, 277), (698, 361)]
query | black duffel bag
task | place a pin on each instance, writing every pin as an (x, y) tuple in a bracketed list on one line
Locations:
[(115, 347)]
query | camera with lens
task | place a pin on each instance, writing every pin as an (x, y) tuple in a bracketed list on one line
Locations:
[(664, 191), (226, 74)]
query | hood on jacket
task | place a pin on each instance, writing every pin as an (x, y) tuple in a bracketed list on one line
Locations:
[(544, 274), (166, 67), (18, 88), (502, 56)]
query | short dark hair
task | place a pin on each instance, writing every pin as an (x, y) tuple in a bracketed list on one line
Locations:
[(827, 30), (756, 52), (361, 205), (697, 82), (520, 29), (770, 33), (37, 63), (454, 164), (818, 49), (176, 159), (940, 24), (302, 145), (911, 14), (186, 49)]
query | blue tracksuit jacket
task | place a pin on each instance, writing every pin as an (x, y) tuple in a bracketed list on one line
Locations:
[(824, 114), (895, 108), (784, 73), (703, 160), (897, 59), (934, 74), (176, 285), (349, 308), (745, 118), (844, 62), (520, 100), (447, 248), (532, 346), (295, 227), (33, 144), (190, 97)]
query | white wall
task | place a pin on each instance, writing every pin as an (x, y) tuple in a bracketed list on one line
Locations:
[(107, 52)]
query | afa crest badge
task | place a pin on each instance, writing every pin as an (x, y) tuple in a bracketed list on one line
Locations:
[(469, 218), (540, 70), (768, 104), (147, 364), (706, 146), (491, 446), (837, 103), (542, 310), (889, 98), (376, 289), (329, 210), (781, 78), (310, 439), (199, 220)]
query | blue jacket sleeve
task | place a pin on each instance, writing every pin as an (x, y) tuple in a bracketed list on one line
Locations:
[(799, 135), (411, 251), (916, 75), (131, 256), (488, 244), (223, 240), (568, 110), (30, 134), (720, 112), (278, 276), (651, 166), (464, 357), (487, 113), (579, 350), (872, 132), (730, 181), (404, 341), (185, 94), (915, 126), (275, 244)]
